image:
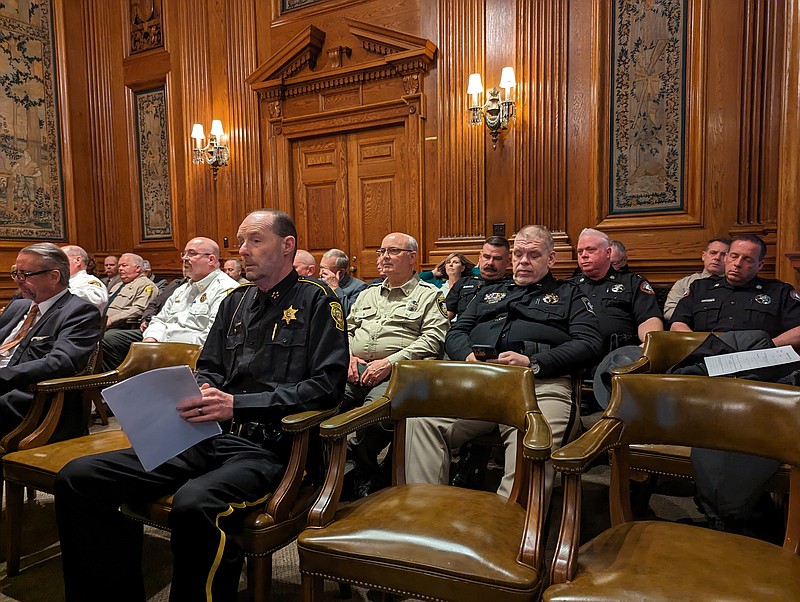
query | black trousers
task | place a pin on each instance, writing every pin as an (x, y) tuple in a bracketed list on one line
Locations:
[(213, 484)]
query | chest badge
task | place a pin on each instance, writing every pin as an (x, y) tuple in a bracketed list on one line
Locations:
[(203, 298), (494, 297), (289, 314), (550, 298), (412, 305), (764, 299), (617, 288)]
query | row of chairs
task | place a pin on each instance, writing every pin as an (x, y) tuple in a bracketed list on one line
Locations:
[(438, 542)]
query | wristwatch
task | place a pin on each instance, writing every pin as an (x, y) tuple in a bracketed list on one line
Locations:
[(534, 365)]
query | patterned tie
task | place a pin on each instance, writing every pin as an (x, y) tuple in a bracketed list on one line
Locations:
[(26, 326)]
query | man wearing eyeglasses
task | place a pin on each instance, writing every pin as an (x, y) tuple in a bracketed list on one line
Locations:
[(48, 333), (400, 318), (188, 314)]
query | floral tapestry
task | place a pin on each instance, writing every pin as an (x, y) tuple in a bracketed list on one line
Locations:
[(154, 183), (647, 106), (31, 203), (292, 4)]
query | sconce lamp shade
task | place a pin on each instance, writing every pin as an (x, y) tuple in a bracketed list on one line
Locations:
[(475, 85), (197, 131), (507, 79), (216, 128)]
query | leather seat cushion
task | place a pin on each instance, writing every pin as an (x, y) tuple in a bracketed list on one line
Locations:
[(672, 561), (39, 466), (445, 541)]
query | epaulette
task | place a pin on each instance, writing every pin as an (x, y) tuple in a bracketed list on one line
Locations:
[(322, 287)]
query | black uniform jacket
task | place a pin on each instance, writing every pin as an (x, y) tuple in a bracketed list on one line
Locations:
[(465, 289), (550, 320), (279, 352)]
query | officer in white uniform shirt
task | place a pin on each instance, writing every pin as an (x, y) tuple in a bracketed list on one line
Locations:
[(83, 285)]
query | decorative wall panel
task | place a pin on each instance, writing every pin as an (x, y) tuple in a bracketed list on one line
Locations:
[(153, 150), (31, 200), (146, 25), (647, 117)]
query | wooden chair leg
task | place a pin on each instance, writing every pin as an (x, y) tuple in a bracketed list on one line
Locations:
[(259, 578), (312, 588), (14, 508)]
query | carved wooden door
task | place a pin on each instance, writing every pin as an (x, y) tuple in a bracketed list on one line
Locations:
[(350, 191)]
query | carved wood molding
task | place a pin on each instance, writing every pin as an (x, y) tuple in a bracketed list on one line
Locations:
[(275, 79), (383, 41)]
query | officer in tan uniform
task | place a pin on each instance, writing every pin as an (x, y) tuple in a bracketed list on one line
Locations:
[(401, 318)]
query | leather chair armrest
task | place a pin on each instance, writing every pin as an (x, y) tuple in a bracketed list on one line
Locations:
[(577, 456), (538, 438), (303, 421), (74, 383), (347, 422), (640, 366)]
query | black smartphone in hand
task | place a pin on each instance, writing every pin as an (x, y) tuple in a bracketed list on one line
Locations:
[(484, 352)]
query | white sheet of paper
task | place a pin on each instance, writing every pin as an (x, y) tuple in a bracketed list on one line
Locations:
[(730, 363), (145, 407)]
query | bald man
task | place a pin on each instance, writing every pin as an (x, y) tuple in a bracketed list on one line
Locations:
[(188, 314), (304, 263)]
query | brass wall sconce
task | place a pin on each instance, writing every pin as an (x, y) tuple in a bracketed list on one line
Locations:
[(216, 152), (496, 113)]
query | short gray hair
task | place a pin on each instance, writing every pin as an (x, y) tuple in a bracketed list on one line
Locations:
[(540, 233), (340, 257), (135, 259), (412, 243), (601, 235), (51, 258)]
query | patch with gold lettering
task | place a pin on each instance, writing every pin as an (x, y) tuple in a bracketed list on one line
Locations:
[(148, 289), (494, 297), (338, 315), (442, 305), (550, 298), (95, 283), (289, 314), (203, 298)]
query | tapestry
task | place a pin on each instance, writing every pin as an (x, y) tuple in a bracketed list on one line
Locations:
[(153, 150), (31, 200), (292, 4), (647, 106)]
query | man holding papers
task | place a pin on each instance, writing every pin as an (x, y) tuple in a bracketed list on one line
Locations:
[(729, 485), (276, 348)]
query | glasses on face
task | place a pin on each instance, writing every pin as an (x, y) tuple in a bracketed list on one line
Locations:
[(22, 276), (191, 254), (392, 251)]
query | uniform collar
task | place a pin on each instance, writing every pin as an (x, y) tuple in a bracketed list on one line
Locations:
[(548, 279), (756, 284), (273, 295), (611, 275), (406, 288), (204, 282)]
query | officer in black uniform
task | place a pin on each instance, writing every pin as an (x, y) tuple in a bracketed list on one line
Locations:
[(534, 321), (729, 485), (625, 305), (492, 265), (276, 348)]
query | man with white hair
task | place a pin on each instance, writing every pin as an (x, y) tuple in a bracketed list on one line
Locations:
[(81, 284), (304, 263)]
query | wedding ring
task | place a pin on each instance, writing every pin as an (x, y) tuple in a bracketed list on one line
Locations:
[(199, 411)]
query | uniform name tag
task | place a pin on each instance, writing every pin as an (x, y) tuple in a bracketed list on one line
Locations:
[(707, 300)]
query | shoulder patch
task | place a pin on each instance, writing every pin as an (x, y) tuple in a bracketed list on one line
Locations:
[(149, 289), (338, 315), (96, 283), (795, 295), (441, 304), (646, 288), (686, 293), (588, 305)]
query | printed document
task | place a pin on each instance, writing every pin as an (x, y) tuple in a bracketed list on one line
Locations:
[(145, 407), (731, 363)]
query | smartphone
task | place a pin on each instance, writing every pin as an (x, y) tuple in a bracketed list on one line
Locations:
[(484, 352)]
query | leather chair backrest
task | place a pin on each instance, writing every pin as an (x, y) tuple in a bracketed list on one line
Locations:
[(728, 414), (490, 392), (148, 356), (666, 348)]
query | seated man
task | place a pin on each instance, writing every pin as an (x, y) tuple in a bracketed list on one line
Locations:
[(535, 321), (728, 484), (187, 315), (48, 333), (619, 257), (625, 305), (492, 265), (249, 375), (713, 265), (333, 270), (233, 268), (304, 263), (83, 285), (111, 270), (401, 318)]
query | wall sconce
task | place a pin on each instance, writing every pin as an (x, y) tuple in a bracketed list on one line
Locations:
[(215, 153), (495, 113)]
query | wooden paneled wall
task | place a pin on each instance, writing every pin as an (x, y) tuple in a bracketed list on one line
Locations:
[(551, 166)]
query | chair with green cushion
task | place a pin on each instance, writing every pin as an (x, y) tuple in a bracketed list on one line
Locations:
[(654, 560), (435, 541), (35, 465)]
